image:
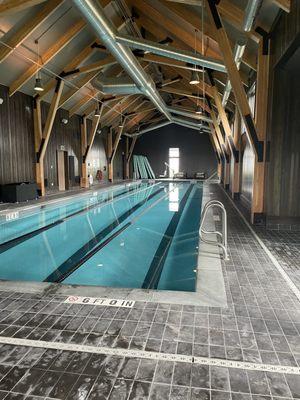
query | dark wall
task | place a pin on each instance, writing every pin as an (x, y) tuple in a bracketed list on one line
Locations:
[(16, 137), (196, 152), (283, 172), (17, 158)]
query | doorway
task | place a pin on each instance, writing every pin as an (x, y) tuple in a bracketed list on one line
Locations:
[(62, 170)]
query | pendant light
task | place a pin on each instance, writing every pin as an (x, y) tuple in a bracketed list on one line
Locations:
[(38, 87), (121, 123), (97, 110), (199, 110), (195, 76)]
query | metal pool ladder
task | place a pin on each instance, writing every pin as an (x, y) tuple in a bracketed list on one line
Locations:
[(222, 235)]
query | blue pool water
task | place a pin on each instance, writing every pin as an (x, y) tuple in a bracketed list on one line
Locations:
[(135, 236)]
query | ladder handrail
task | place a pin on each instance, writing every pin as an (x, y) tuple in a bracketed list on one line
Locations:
[(222, 235)]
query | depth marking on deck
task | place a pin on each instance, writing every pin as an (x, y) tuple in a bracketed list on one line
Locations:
[(98, 301), (283, 369), (274, 260)]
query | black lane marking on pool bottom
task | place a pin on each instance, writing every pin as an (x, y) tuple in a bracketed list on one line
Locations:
[(88, 250), (20, 239), (154, 272)]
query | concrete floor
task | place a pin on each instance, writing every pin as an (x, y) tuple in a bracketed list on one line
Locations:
[(249, 348)]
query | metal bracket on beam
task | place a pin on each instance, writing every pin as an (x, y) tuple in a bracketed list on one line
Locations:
[(266, 40), (258, 144)]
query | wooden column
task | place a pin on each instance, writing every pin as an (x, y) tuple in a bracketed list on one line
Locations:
[(235, 176), (109, 152), (129, 155), (257, 209), (83, 131), (224, 169), (223, 117), (235, 79), (216, 150), (42, 137), (86, 145), (112, 149)]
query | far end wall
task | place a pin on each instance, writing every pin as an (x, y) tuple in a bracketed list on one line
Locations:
[(196, 151)]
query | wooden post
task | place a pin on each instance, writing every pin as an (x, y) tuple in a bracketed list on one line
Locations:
[(113, 151), (224, 169), (42, 138), (235, 177), (84, 175), (109, 153), (129, 155), (257, 209), (223, 117), (86, 145)]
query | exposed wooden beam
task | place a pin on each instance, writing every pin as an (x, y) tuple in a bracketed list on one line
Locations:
[(42, 144), (147, 8), (73, 64), (14, 38), (235, 16), (233, 74), (96, 66), (223, 117), (189, 17), (285, 5), (84, 100), (121, 107), (261, 115), (109, 60), (86, 145), (112, 149), (129, 152), (13, 6), (235, 176), (150, 25), (47, 56)]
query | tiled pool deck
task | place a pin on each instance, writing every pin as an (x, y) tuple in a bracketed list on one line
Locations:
[(194, 352)]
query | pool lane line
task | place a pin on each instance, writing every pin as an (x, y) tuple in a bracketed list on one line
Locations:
[(151, 355), (273, 259), (95, 244), (156, 267), (85, 193), (20, 239)]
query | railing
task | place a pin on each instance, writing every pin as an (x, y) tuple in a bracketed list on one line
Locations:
[(221, 235)]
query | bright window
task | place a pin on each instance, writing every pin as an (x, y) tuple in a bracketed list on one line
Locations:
[(173, 161)]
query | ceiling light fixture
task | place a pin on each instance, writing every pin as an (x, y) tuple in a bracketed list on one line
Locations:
[(97, 111), (121, 124), (194, 78), (199, 110), (38, 87)]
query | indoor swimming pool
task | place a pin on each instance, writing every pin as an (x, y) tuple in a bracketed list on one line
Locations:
[(139, 235)]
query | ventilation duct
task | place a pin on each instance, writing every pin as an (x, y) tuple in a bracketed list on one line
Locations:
[(94, 14), (121, 85), (150, 128), (189, 124), (189, 114), (171, 52)]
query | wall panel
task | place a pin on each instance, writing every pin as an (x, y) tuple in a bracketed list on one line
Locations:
[(17, 157), (196, 152)]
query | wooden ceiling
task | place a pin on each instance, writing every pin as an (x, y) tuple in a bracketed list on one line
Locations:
[(69, 49)]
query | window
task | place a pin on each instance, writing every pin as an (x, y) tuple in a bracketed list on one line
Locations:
[(173, 161)]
